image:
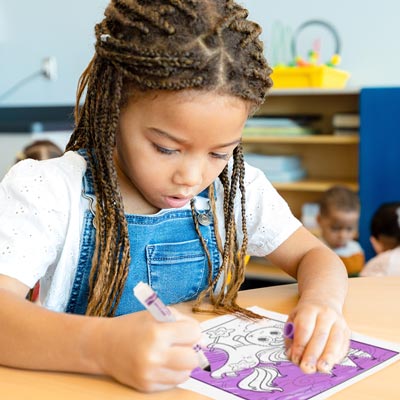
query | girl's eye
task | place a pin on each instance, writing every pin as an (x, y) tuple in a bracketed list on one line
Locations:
[(221, 156), (164, 150)]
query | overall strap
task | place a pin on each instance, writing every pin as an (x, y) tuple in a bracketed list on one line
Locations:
[(87, 183)]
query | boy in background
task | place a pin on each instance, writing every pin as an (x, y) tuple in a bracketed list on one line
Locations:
[(385, 239), (339, 213)]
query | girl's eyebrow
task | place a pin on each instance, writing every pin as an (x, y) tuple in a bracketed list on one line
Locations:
[(162, 133)]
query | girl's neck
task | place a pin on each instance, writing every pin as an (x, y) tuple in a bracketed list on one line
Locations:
[(134, 202)]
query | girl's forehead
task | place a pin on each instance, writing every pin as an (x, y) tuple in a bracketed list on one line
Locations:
[(210, 118), (187, 96)]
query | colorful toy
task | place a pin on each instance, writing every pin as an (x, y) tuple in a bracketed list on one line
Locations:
[(311, 72)]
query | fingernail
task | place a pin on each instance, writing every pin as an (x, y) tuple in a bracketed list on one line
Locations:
[(295, 359), (309, 364), (324, 366)]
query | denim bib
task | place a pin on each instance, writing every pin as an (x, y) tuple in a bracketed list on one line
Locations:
[(165, 250)]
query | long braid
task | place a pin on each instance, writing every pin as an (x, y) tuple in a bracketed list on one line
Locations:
[(112, 248), (171, 45)]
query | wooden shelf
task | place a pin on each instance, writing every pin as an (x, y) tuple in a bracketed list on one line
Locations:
[(309, 185), (328, 159), (306, 139)]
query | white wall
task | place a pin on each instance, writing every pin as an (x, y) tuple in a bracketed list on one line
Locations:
[(369, 31), (32, 30)]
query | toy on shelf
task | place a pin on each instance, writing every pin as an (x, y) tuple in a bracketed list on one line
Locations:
[(311, 72)]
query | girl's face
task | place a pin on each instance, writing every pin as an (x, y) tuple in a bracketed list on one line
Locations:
[(171, 146)]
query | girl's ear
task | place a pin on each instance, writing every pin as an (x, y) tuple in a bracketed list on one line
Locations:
[(376, 244)]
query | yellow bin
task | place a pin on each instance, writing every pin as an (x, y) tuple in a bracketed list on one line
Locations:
[(314, 76)]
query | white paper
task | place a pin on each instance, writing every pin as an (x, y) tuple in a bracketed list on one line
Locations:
[(248, 361)]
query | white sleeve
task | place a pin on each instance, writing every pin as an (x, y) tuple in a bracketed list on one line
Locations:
[(35, 204), (377, 266), (269, 219)]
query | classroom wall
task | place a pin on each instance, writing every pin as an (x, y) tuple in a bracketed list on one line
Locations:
[(369, 31), (30, 31), (33, 30)]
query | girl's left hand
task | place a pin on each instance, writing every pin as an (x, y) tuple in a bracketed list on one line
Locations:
[(321, 337)]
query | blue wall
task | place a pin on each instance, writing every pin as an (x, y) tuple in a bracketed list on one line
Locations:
[(64, 29), (379, 155)]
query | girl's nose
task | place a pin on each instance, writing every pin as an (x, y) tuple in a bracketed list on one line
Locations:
[(189, 173)]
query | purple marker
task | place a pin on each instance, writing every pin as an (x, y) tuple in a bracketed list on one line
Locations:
[(288, 330), (148, 297)]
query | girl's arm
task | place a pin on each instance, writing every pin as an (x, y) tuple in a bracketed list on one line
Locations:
[(321, 334), (134, 349)]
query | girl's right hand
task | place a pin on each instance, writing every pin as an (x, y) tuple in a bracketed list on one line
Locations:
[(143, 353)]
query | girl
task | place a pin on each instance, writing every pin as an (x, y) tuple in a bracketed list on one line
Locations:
[(153, 187)]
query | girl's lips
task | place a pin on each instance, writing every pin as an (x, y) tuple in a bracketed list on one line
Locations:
[(175, 202)]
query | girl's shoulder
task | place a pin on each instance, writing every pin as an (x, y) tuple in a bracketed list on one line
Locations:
[(70, 162), (39, 208), (254, 179), (43, 180), (69, 166)]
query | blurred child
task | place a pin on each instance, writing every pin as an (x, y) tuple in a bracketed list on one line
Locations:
[(39, 150), (338, 220), (385, 239)]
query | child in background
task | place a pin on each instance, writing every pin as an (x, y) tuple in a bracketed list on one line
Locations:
[(154, 188), (39, 150), (339, 213), (385, 239)]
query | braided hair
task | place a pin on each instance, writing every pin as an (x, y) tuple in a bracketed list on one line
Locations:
[(173, 45)]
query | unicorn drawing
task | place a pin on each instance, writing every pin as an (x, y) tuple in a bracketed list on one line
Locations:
[(261, 349)]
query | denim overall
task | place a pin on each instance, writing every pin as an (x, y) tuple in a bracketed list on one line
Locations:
[(165, 250)]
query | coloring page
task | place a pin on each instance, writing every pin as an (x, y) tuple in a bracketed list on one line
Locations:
[(248, 361)]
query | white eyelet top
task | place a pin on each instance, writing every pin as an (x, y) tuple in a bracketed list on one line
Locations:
[(41, 215)]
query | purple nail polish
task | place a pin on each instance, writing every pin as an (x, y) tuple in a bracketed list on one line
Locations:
[(288, 330)]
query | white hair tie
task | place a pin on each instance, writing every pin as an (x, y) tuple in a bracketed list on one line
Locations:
[(104, 37)]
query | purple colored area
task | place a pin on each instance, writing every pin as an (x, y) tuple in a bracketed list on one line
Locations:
[(291, 382)]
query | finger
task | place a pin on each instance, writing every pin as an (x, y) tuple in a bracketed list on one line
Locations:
[(171, 377), (166, 375), (288, 347), (153, 386), (336, 348), (317, 343), (303, 327), (287, 338), (184, 332), (179, 316), (181, 359)]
